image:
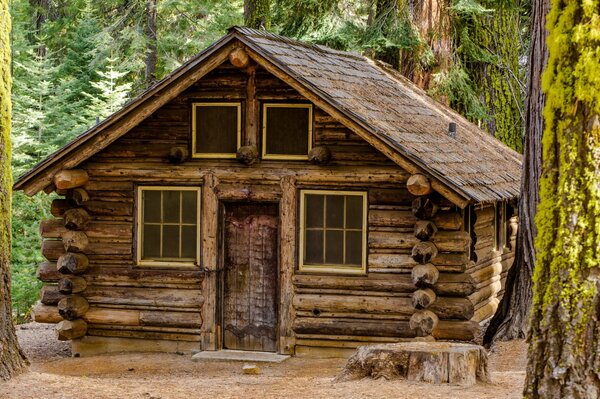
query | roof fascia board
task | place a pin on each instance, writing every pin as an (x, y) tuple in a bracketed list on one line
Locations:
[(352, 122), (116, 125)]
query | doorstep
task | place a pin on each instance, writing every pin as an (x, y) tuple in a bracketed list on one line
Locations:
[(244, 356)]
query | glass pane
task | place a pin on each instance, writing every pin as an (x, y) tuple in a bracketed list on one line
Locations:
[(188, 242), (335, 211), (190, 206), (151, 206), (170, 241), (314, 210), (334, 247), (287, 131), (354, 248), (171, 206), (216, 129), (151, 241), (314, 247), (354, 212)]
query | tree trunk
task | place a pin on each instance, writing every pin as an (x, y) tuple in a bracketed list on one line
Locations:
[(151, 42), (564, 333), (510, 320), (257, 14), (12, 359)]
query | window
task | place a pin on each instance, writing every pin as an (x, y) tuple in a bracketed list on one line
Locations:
[(168, 225), (216, 129), (333, 231), (287, 131)]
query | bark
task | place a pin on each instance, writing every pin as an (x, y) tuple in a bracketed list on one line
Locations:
[(151, 56), (510, 321), (41, 10), (12, 359), (257, 14), (564, 332)]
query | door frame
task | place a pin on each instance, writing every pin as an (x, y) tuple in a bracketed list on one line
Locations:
[(220, 291)]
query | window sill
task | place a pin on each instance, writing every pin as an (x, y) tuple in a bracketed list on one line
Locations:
[(332, 270)]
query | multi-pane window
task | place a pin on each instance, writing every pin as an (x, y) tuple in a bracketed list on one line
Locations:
[(216, 130), (333, 231), (168, 225), (287, 131)]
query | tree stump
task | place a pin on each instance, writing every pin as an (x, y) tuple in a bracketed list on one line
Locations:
[(432, 362)]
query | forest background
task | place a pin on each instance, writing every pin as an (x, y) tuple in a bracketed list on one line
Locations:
[(75, 62)]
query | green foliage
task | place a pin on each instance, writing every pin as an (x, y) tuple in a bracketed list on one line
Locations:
[(457, 87)]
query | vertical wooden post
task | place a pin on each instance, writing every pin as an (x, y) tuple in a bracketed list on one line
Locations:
[(210, 220), (287, 209), (252, 111)]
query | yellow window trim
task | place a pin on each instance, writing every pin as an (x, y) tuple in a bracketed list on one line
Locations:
[(209, 155), (340, 269), (267, 156), (139, 223)]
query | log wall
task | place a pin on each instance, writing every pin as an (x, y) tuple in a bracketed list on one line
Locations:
[(174, 304)]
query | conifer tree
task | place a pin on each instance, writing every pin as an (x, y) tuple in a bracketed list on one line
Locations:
[(257, 14)]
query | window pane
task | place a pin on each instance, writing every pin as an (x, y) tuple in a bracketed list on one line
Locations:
[(335, 211), (334, 247), (190, 206), (354, 212), (287, 130), (170, 241), (314, 247), (171, 206), (188, 242), (314, 210), (151, 206), (151, 241), (216, 129), (354, 247)]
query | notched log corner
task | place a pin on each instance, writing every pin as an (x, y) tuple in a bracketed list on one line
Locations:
[(319, 155), (247, 155)]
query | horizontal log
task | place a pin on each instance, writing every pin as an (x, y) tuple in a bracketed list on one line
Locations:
[(71, 285), (403, 263), (134, 317), (126, 276), (71, 329), (335, 326), (454, 284), (54, 228), (72, 307), (382, 283), (448, 221), (78, 196), (387, 196), (487, 272), (418, 185), (341, 303), (49, 295), (391, 218), (76, 219), (191, 336), (453, 308), (54, 249), (456, 330), (66, 179), (452, 241), (109, 208), (72, 263), (75, 241), (144, 296), (47, 272), (392, 240), (45, 314), (486, 292), (486, 311), (239, 192)]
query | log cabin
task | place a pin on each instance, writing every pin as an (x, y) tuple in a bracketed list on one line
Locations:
[(276, 196)]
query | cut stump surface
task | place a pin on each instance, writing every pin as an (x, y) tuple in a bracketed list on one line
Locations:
[(432, 362)]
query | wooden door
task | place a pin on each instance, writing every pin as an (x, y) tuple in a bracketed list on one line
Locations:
[(249, 300)]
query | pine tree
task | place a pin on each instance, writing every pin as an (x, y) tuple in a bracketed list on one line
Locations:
[(12, 359), (564, 335), (257, 14)]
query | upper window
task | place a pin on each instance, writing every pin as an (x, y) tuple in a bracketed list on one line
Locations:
[(168, 225), (216, 129), (333, 231), (287, 131)]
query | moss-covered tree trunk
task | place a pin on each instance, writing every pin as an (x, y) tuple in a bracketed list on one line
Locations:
[(257, 14), (12, 359), (564, 335), (511, 319), (151, 45)]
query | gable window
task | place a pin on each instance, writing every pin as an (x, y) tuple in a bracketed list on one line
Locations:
[(333, 231), (216, 129), (287, 131), (168, 225)]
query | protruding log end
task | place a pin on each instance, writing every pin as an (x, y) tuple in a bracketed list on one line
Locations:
[(66, 179), (319, 155), (45, 314), (47, 272), (423, 322), (247, 155), (71, 285), (239, 58), (78, 196), (425, 275), (424, 208), (178, 155), (422, 299), (49, 295), (59, 207), (424, 251), (418, 185), (75, 241), (73, 307), (425, 229), (76, 219), (71, 329), (72, 263)]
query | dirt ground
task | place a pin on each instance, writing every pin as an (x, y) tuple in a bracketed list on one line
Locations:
[(54, 374)]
